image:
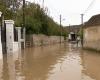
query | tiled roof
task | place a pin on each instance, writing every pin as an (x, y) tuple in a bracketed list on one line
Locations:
[(93, 21)]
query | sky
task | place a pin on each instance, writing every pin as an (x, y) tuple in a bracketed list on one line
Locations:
[(71, 10)]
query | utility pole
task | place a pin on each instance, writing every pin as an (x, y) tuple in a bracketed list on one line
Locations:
[(60, 28), (23, 26), (82, 15), (23, 13)]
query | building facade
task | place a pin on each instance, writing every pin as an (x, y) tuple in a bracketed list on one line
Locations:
[(91, 33)]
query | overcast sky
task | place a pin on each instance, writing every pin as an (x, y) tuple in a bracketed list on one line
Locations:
[(70, 9)]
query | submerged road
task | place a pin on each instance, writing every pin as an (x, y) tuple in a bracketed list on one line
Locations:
[(54, 62)]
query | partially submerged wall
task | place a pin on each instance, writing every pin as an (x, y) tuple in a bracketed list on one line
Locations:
[(92, 38), (38, 40)]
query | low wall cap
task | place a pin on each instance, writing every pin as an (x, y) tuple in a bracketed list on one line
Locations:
[(18, 27), (9, 21)]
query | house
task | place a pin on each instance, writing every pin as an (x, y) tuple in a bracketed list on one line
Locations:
[(73, 28), (72, 36), (91, 33)]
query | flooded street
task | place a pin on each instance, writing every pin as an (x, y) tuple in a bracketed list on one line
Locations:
[(54, 62)]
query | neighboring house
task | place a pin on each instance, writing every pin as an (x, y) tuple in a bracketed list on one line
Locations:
[(91, 33)]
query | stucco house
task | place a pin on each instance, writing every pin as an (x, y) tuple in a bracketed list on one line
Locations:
[(91, 33)]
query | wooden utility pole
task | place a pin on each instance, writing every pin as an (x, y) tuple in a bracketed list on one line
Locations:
[(23, 26), (23, 13), (82, 15)]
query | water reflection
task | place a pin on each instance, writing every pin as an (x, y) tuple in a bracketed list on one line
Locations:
[(38, 64), (1, 66), (54, 62), (91, 64), (8, 67)]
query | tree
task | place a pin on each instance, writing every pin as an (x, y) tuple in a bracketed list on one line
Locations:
[(37, 20)]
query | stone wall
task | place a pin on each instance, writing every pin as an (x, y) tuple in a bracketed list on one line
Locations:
[(38, 40), (92, 37)]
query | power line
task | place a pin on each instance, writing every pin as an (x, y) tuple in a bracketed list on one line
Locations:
[(89, 7)]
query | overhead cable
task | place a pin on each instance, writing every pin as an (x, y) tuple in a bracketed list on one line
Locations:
[(89, 7)]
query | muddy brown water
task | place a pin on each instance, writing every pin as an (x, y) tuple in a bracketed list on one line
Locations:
[(54, 62)]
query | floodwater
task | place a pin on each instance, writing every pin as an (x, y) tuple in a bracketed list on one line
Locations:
[(54, 62)]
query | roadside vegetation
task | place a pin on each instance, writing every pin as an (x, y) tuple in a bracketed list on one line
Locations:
[(37, 20)]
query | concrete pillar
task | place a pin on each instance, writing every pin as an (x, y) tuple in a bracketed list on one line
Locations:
[(19, 36), (9, 35)]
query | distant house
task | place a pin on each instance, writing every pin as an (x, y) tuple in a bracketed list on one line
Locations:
[(71, 36), (73, 28), (91, 33)]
